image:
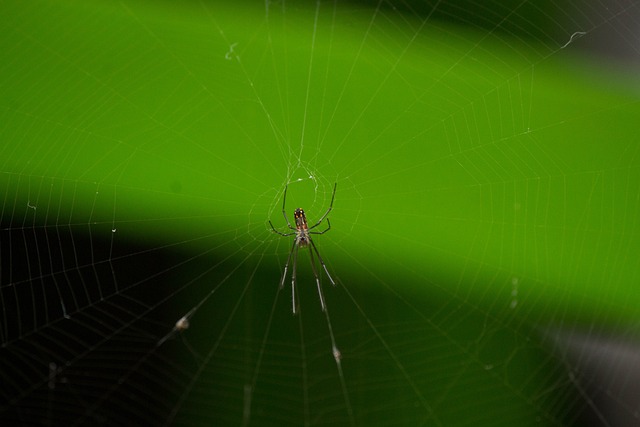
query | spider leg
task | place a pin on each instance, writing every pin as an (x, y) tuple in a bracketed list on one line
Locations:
[(315, 274), (333, 196), (321, 232), (286, 265), (322, 262), (293, 277), (278, 232), (284, 213)]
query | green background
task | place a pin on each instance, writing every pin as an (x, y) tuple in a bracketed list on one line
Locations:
[(487, 196)]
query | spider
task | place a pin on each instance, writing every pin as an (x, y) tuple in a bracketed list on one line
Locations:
[(303, 240)]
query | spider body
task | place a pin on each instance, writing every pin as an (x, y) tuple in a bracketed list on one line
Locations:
[(303, 239), (302, 229)]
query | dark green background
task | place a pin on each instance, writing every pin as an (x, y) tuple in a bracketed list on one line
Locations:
[(474, 160)]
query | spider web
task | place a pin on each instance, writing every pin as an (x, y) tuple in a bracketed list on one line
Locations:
[(484, 234)]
